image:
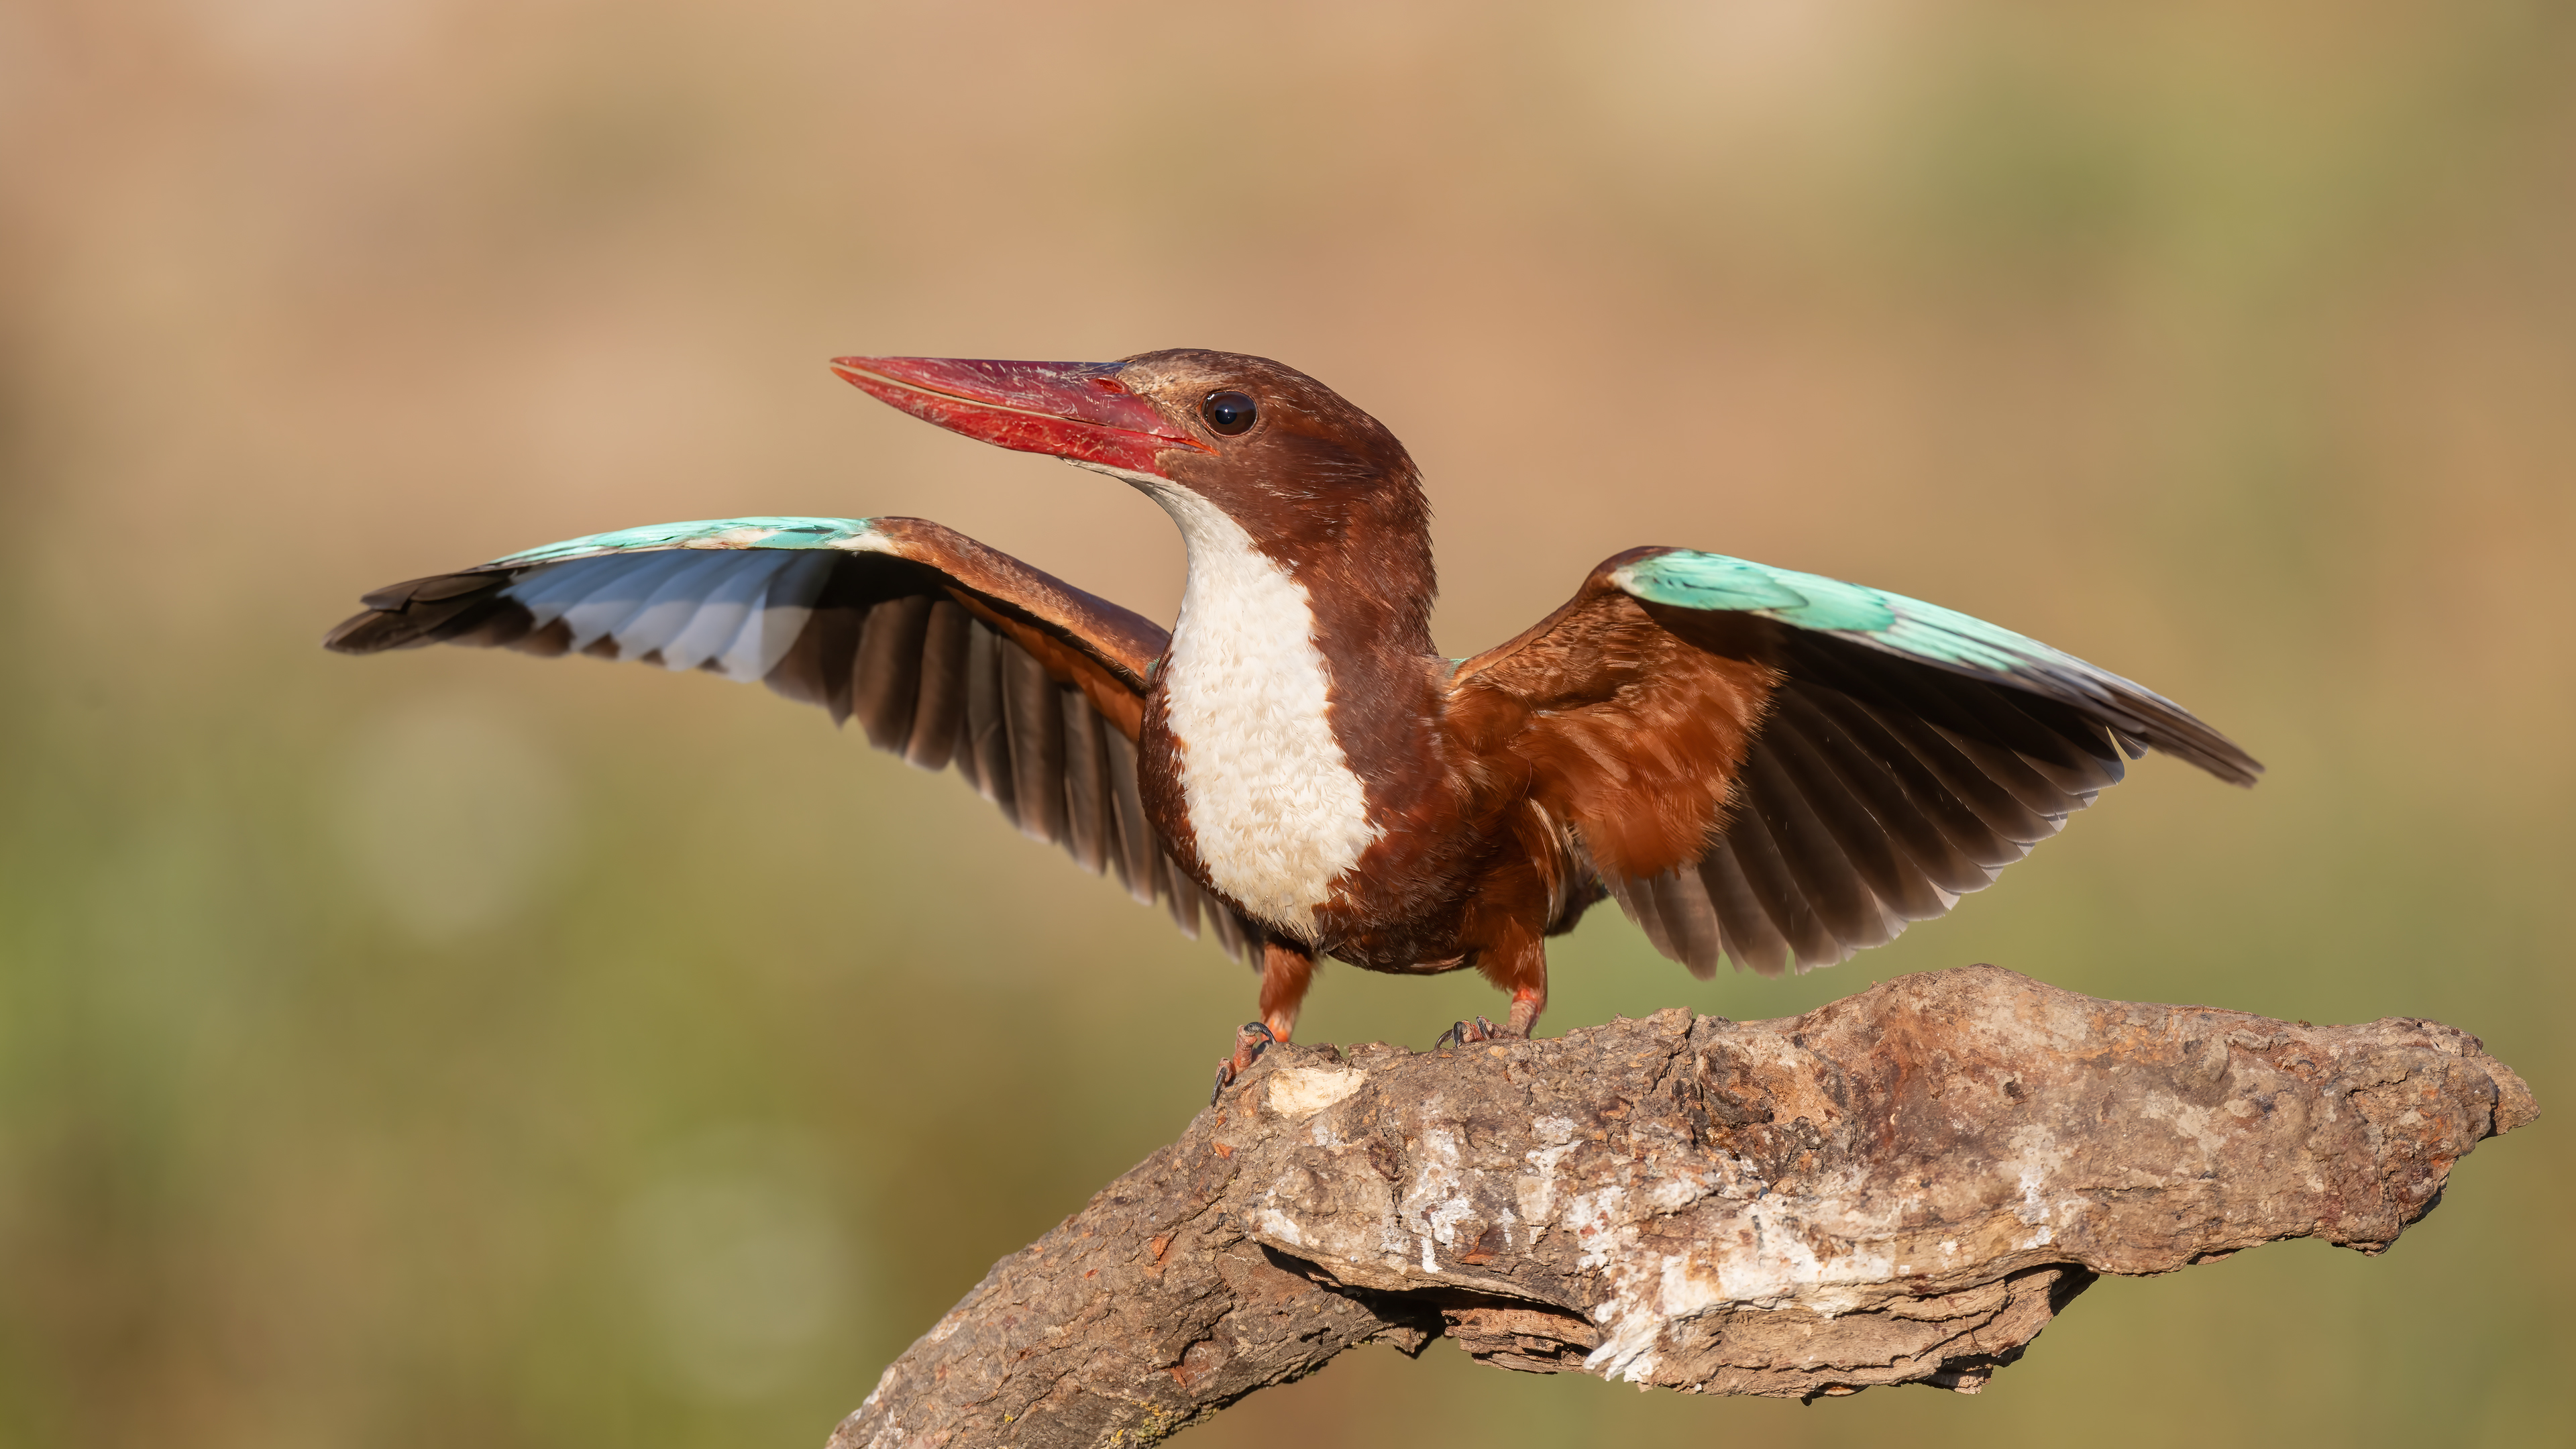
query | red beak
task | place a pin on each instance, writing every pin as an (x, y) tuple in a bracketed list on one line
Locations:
[(1076, 410)]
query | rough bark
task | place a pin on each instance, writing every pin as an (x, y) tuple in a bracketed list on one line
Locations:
[(1901, 1187)]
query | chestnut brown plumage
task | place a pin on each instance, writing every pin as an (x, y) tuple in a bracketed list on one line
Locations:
[(1757, 764)]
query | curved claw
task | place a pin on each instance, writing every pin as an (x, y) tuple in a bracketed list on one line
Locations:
[(1464, 1034), (1250, 1041)]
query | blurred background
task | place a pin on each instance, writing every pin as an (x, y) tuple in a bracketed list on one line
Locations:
[(455, 1048)]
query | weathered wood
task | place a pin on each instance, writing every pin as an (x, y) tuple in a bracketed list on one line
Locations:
[(1901, 1187)]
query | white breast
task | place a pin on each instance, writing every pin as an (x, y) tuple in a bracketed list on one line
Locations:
[(1271, 797)]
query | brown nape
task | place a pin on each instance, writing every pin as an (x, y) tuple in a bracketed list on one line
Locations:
[(1320, 486)]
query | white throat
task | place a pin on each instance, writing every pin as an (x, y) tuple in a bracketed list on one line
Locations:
[(1278, 813)]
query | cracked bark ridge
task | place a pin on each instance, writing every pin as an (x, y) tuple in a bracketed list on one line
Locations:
[(1901, 1187)]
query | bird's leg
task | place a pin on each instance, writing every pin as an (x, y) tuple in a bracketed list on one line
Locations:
[(1286, 970), (1522, 971)]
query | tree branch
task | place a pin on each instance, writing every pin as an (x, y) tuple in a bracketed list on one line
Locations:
[(1901, 1187)]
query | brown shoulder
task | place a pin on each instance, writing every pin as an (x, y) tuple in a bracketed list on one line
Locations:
[(1622, 725), (1018, 594)]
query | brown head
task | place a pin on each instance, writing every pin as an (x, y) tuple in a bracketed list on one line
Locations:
[(1316, 483)]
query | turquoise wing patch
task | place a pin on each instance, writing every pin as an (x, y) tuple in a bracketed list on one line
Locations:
[(712, 533), (1687, 579)]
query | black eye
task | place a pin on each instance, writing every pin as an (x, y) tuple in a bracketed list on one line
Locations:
[(1227, 412)]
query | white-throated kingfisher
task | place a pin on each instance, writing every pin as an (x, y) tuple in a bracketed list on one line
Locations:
[(1758, 764)]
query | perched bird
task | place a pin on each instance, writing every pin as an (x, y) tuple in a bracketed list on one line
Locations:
[(1758, 764)]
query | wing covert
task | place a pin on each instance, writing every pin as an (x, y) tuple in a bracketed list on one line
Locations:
[(948, 653)]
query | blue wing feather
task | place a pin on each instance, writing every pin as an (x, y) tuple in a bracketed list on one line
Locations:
[(737, 610), (851, 534)]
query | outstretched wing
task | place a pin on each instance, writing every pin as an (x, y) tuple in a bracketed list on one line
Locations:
[(948, 653), (1784, 769)]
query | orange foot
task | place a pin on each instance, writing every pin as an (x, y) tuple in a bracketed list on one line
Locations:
[(1249, 1043), (1527, 1003)]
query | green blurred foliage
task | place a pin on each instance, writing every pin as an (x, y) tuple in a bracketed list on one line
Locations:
[(438, 1050)]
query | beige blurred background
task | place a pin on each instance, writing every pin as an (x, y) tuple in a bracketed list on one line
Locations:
[(452, 1049)]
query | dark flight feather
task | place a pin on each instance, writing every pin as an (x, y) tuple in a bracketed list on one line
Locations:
[(1887, 756), (915, 649)]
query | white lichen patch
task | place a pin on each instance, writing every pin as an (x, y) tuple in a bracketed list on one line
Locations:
[(1443, 1224), (2033, 1210), (1303, 1091), (1597, 1221), (1331, 1208), (1282, 1227), (1762, 1254), (1536, 1191), (2194, 1123), (2035, 1158), (1676, 1192), (1436, 1201)]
